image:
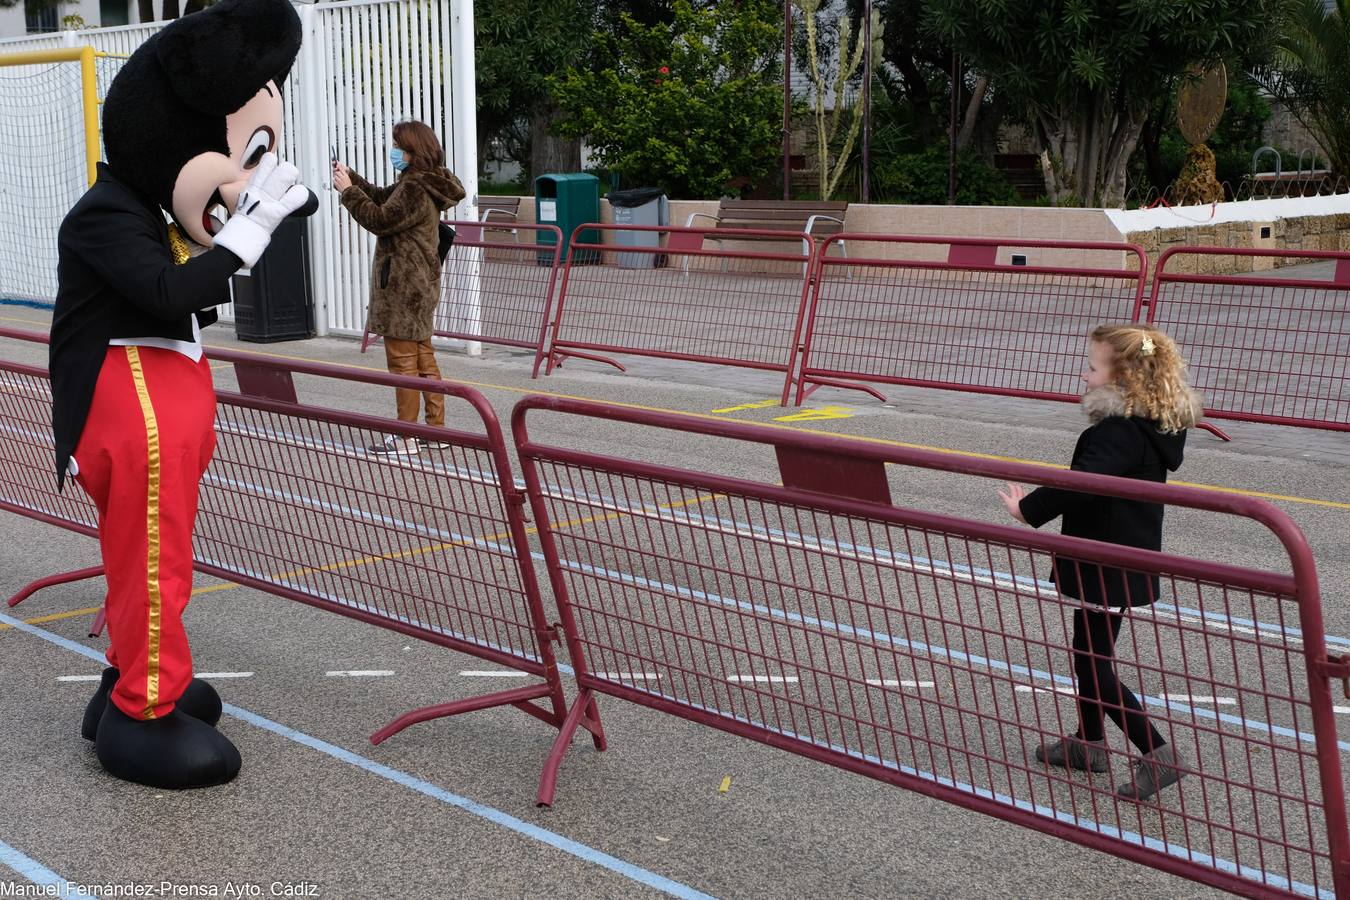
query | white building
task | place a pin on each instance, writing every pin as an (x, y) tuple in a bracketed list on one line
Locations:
[(14, 22)]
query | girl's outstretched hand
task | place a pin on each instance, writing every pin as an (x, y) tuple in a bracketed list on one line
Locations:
[(1012, 499)]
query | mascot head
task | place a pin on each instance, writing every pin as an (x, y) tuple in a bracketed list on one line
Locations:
[(197, 105)]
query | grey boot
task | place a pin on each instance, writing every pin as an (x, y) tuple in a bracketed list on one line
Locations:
[(1152, 773), (1074, 753)]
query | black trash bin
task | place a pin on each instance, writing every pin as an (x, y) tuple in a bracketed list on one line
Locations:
[(639, 206), (273, 302)]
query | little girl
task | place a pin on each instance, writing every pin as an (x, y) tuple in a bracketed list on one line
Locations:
[(1139, 407)]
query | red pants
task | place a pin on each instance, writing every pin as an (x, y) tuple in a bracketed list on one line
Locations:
[(143, 451)]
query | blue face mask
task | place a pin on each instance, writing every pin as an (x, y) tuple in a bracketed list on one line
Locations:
[(396, 157)]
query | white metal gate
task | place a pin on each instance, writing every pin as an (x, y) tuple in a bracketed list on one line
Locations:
[(363, 66)]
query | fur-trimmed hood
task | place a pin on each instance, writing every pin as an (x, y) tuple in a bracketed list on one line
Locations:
[(440, 184), (1104, 402)]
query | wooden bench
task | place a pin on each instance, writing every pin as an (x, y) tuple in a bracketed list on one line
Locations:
[(818, 218), (507, 208)]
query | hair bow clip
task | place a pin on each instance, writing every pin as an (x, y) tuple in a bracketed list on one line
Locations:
[(1147, 348)]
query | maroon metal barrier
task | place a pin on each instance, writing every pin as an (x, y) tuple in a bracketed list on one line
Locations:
[(698, 294), (930, 652), (989, 315), (431, 545), (1263, 346), (496, 285)]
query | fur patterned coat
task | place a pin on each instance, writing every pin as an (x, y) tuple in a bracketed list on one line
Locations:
[(405, 285)]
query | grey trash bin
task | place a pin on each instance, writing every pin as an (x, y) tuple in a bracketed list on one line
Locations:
[(639, 206)]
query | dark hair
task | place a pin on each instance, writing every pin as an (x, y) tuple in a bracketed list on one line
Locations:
[(421, 145)]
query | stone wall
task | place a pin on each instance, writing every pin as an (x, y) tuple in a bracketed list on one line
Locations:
[(1296, 233)]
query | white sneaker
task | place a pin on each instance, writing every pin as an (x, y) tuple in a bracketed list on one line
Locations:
[(395, 446)]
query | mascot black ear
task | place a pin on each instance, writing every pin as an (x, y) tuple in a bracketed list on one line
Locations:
[(243, 43), (169, 101)]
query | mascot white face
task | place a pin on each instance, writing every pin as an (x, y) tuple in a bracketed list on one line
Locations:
[(193, 110), (209, 184)]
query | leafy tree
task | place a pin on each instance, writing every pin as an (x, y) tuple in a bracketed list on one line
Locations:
[(921, 178), (687, 105), (520, 44), (1312, 73), (1086, 72)]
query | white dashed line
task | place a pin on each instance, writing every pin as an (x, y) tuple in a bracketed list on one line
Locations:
[(1189, 698), (360, 673), (760, 679), (228, 674), (493, 673), (79, 677), (891, 682), (628, 676), (1028, 689)]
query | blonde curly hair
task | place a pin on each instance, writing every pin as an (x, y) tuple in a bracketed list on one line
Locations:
[(1150, 374)]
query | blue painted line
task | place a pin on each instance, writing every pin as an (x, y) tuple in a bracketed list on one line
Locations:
[(581, 851), (31, 304), (34, 871)]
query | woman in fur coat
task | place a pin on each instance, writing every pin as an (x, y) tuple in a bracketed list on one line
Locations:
[(406, 281)]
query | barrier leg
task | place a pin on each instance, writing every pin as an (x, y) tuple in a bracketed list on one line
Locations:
[(62, 578), (548, 781), (591, 722), (1215, 430), (817, 382), (100, 620), (440, 711), (559, 356)]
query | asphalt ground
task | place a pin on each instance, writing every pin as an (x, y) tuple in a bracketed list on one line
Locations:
[(446, 808)]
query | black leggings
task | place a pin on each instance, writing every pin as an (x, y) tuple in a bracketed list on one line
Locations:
[(1094, 647)]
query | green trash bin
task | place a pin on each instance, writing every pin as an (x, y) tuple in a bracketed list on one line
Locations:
[(567, 201)]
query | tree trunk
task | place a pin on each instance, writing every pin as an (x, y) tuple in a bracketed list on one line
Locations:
[(972, 113), (1085, 152), (548, 152), (170, 10), (145, 10)]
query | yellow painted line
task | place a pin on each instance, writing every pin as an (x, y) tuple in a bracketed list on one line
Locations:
[(211, 589), (760, 405), (56, 617), (817, 415), (1218, 488), (26, 322), (968, 454)]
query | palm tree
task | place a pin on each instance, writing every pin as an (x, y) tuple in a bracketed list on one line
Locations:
[(1312, 73)]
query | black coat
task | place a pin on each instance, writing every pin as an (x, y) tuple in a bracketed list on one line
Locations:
[(117, 279), (1116, 445)]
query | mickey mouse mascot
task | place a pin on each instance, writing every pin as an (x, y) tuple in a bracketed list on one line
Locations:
[(191, 126)]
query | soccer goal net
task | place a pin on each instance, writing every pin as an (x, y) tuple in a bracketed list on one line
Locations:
[(49, 116)]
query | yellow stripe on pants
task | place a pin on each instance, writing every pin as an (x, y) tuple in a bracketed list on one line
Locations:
[(151, 530)]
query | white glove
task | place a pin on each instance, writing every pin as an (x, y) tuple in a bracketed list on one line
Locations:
[(271, 196)]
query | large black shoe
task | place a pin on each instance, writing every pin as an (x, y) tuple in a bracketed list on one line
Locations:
[(174, 752), (200, 701)]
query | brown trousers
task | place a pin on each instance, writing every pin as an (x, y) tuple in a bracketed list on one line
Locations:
[(418, 359)]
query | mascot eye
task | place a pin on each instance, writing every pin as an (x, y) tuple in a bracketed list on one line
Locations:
[(258, 144)]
